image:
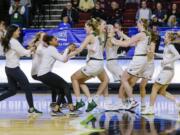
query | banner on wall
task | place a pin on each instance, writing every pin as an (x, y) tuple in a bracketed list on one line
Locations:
[(76, 36), (64, 37)]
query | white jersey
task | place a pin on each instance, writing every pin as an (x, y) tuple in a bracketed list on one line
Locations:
[(111, 52), (36, 59), (169, 53), (142, 46), (97, 53), (49, 57), (139, 61), (14, 53)]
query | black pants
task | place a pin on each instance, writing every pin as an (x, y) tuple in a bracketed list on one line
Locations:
[(57, 83), (54, 93), (16, 76)]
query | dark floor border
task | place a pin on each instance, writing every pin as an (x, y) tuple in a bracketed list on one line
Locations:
[(113, 88)]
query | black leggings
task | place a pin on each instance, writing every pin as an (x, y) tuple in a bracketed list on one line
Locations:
[(16, 76), (54, 93), (57, 83)]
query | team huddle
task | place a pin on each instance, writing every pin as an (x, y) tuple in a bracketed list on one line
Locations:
[(100, 37)]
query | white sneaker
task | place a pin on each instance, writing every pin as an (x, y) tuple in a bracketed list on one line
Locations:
[(131, 104), (115, 107), (148, 111)]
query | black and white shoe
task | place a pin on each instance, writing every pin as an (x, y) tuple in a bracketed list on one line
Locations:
[(57, 113), (132, 104), (33, 111)]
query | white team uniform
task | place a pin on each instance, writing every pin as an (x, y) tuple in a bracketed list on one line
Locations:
[(36, 59), (139, 61), (149, 70), (94, 65), (167, 72), (112, 62)]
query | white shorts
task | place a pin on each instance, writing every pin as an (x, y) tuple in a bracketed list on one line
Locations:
[(137, 65), (148, 71), (115, 69), (165, 77), (93, 68)]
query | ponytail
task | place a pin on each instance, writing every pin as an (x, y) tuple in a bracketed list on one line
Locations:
[(5, 41)]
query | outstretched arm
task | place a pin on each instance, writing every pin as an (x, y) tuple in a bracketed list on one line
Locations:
[(82, 47), (129, 42)]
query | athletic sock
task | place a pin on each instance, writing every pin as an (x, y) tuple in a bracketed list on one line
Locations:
[(143, 103), (78, 99), (90, 99)]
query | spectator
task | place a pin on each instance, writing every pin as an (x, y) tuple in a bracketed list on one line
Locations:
[(154, 21), (65, 23), (160, 14), (158, 41), (144, 12), (75, 4), (27, 5), (98, 12), (16, 13), (174, 12), (115, 14), (71, 13), (172, 21), (86, 5), (103, 4)]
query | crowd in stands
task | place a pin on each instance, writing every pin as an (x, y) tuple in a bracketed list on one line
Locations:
[(21, 12), (164, 13)]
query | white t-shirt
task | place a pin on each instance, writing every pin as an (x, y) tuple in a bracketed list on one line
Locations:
[(49, 57), (14, 53)]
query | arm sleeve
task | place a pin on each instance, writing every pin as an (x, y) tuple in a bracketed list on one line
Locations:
[(175, 52), (22, 11), (137, 15), (150, 14), (11, 10), (19, 49), (57, 55)]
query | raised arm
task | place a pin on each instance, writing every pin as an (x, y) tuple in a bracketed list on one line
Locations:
[(130, 42), (82, 47), (124, 36), (60, 57)]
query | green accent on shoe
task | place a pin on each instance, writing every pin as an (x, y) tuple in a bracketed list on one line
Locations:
[(91, 106), (88, 119), (79, 104)]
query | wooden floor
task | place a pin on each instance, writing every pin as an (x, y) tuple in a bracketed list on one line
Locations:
[(15, 121)]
